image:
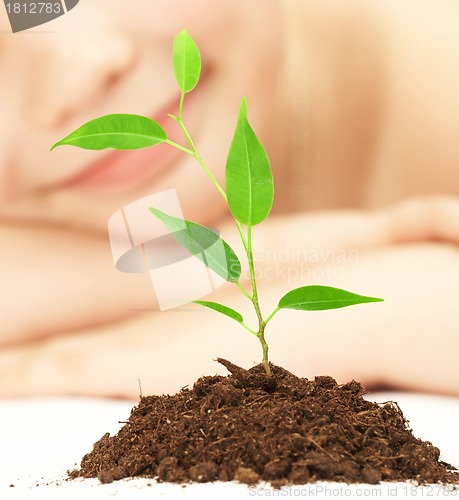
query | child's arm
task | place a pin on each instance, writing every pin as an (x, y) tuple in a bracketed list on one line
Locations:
[(406, 254), (53, 281)]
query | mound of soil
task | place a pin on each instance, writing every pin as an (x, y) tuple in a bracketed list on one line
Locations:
[(282, 429)]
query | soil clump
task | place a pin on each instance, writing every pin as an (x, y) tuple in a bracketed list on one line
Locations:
[(282, 429)]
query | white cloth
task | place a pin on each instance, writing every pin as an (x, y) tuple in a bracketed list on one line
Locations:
[(41, 438)]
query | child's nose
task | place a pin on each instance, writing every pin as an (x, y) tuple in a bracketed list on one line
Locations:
[(75, 76)]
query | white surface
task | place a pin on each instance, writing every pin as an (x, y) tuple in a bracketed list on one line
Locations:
[(41, 438)]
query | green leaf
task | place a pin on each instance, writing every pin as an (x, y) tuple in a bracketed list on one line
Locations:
[(319, 298), (117, 131), (227, 311), (203, 243), (187, 61), (249, 181)]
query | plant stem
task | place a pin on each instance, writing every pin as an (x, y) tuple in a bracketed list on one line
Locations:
[(252, 275), (264, 346), (179, 146), (249, 329), (271, 315), (247, 243), (194, 152), (256, 304), (196, 156), (244, 291), (182, 99)]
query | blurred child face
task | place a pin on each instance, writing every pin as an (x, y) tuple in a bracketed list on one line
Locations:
[(112, 56)]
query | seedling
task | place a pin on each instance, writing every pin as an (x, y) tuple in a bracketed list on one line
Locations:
[(249, 195)]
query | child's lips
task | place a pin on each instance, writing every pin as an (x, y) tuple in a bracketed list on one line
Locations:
[(125, 169)]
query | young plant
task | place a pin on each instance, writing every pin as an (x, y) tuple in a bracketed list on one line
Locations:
[(249, 195)]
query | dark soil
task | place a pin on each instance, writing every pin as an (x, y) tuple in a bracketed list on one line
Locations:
[(282, 429)]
